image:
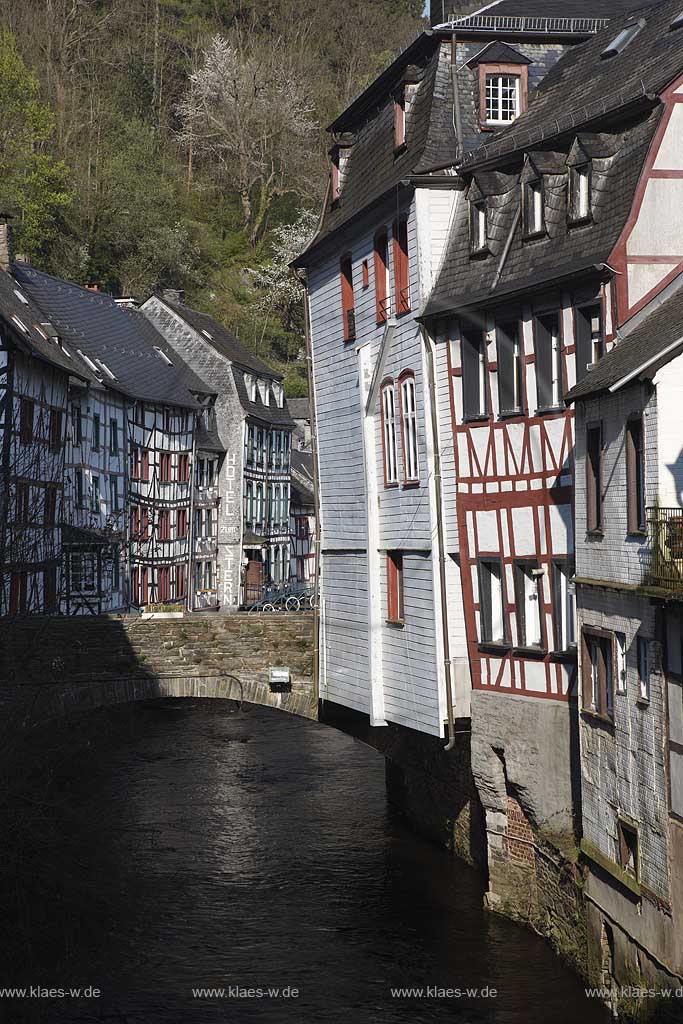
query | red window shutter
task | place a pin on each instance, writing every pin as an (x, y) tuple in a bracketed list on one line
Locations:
[(180, 581), (143, 587), (145, 523), (381, 279), (394, 586)]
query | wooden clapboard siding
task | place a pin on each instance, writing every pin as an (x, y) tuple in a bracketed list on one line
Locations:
[(344, 604)]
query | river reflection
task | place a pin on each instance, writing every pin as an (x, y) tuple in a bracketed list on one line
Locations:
[(159, 848)]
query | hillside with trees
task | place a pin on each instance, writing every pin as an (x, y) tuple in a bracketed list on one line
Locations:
[(147, 144)]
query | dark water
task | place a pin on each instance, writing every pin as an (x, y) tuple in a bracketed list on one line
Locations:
[(162, 847)]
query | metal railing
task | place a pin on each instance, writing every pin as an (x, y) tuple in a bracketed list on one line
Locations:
[(665, 540)]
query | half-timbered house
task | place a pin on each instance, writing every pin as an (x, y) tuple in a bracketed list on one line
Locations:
[(393, 633), (253, 424), (558, 241), (302, 524), (35, 369), (629, 578), (135, 443)]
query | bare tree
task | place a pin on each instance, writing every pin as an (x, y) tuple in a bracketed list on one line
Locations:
[(248, 107)]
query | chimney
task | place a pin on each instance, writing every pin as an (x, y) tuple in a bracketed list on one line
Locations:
[(6, 250)]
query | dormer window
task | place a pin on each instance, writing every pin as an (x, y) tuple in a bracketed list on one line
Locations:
[(534, 208), (478, 226), (335, 174), (503, 83), (580, 193), (339, 155), (250, 384), (502, 98), (400, 119)]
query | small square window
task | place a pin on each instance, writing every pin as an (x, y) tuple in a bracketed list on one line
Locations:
[(629, 852), (502, 98)]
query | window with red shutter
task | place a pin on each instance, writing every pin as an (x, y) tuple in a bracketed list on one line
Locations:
[(381, 264), (395, 606), (401, 269), (145, 465), (348, 300)]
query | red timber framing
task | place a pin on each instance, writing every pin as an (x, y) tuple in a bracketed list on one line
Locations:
[(663, 260), (514, 493)]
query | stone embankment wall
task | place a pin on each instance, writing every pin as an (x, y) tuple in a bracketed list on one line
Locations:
[(53, 666)]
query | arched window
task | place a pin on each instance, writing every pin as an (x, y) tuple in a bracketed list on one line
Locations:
[(411, 469), (388, 402)]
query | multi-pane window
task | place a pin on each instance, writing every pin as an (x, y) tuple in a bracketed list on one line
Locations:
[(478, 225), (491, 606), (644, 668), (249, 503), (502, 98), (26, 416), (55, 429), (113, 437), (411, 471), (597, 673), (260, 505), (590, 345), (183, 468), (181, 522), (635, 476), (165, 467), (548, 350), (474, 372), (594, 478), (395, 598), (389, 434), (164, 525), (580, 192), (564, 602), (382, 289), (510, 380), (528, 594), (347, 298), (534, 217), (95, 495), (114, 493), (95, 432)]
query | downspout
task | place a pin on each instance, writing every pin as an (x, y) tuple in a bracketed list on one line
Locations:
[(457, 114), (506, 248), (316, 496), (429, 345)]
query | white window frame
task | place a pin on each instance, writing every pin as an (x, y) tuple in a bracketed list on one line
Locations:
[(643, 646), (411, 459), (494, 98), (389, 427)]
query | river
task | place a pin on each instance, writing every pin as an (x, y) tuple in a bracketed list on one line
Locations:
[(159, 848)]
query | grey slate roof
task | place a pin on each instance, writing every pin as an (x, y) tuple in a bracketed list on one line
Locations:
[(564, 251), (661, 329), (551, 11), (208, 440), (222, 339), (299, 408), (269, 414), (15, 302), (302, 476), (581, 87), (119, 335)]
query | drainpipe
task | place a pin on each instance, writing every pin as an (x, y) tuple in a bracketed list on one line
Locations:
[(506, 248), (457, 115), (429, 345), (316, 494)]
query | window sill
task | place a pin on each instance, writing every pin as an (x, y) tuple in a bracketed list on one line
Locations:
[(391, 486), (410, 484), (494, 646), (568, 654), (480, 254), (599, 716), (642, 702), (595, 534), (534, 236), (482, 417), (549, 409), (508, 414), (530, 652), (395, 623), (637, 534), (579, 222)]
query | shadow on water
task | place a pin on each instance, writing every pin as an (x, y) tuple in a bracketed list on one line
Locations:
[(161, 847)]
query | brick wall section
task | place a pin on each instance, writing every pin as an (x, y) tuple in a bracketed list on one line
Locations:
[(520, 836)]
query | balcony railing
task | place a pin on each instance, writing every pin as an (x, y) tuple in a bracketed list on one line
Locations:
[(665, 537)]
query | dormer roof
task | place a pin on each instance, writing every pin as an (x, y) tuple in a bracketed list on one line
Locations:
[(498, 52)]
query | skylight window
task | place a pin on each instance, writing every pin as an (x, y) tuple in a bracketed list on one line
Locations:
[(103, 366), (22, 298), (20, 324), (207, 335), (621, 41), (162, 355), (87, 360), (677, 22)]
